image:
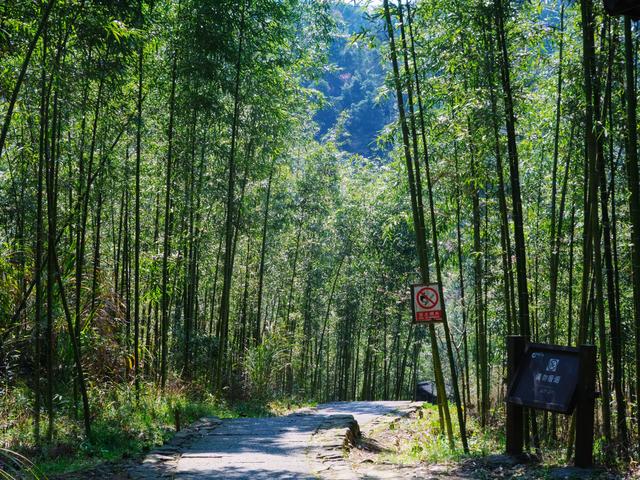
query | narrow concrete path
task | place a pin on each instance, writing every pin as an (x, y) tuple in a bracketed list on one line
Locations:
[(269, 448)]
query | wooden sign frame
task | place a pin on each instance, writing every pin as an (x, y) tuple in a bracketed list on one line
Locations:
[(585, 397), (531, 348), (623, 7)]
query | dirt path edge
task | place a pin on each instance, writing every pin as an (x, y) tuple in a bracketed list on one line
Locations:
[(331, 442), (163, 461)]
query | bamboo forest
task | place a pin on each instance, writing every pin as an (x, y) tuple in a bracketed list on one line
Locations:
[(220, 212)]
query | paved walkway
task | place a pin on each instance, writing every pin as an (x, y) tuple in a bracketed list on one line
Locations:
[(269, 448)]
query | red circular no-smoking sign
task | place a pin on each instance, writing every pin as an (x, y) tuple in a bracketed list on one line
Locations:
[(427, 298)]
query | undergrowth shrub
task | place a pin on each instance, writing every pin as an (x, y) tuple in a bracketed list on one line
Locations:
[(263, 364)]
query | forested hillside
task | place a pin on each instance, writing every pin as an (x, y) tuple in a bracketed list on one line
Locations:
[(355, 107), (213, 203)]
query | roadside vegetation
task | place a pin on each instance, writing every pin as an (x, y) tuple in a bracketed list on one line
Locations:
[(127, 426), (419, 440)]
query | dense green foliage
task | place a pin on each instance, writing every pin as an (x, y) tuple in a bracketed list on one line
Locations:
[(220, 201)]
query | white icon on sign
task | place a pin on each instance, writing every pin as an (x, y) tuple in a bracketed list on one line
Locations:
[(552, 366)]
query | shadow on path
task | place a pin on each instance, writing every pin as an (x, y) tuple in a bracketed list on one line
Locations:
[(268, 448)]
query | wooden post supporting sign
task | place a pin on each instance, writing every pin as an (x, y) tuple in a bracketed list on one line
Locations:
[(515, 419), (585, 407)]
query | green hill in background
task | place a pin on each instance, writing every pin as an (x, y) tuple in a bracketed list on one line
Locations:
[(354, 115)]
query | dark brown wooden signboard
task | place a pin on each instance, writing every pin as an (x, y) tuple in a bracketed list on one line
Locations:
[(623, 7), (555, 378), (547, 378)]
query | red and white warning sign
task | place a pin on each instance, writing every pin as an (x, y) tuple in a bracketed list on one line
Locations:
[(426, 303)]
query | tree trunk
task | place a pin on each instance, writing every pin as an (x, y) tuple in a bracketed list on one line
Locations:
[(227, 272), (23, 70), (289, 328), (591, 177), (40, 245), (481, 327), (316, 382), (413, 189), (436, 250), (263, 250), (554, 258), (136, 248), (167, 231), (516, 196), (634, 193)]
